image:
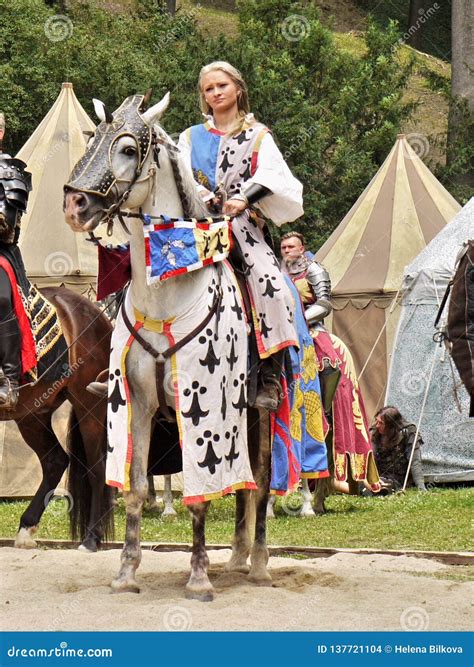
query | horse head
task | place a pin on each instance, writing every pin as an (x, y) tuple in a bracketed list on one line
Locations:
[(110, 172), (15, 186)]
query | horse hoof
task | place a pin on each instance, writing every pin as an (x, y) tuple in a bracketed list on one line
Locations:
[(124, 586), (202, 596), (260, 578), (152, 508), (234, 567), (24, 540), (88, 547), (169, 516)]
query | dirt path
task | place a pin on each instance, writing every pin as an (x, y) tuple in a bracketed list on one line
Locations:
[(69, 590)]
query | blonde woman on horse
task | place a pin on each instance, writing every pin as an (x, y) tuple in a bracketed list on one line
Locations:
[(242, 173)]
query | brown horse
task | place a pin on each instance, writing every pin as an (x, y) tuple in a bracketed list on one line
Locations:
[(461, 319), (87, 332)]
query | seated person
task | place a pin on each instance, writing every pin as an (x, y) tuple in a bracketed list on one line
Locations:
[(392, 440)]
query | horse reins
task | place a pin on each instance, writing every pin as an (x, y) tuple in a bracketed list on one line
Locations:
[(161, 357)]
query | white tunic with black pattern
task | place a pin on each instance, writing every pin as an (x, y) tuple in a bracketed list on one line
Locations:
[(232, 163)]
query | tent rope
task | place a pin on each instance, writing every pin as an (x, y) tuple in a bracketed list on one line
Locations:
[(392, 306)]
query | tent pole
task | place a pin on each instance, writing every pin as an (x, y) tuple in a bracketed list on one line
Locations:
[(428, 384)]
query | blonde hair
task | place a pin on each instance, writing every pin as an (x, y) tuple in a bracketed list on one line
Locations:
[(243, 104)]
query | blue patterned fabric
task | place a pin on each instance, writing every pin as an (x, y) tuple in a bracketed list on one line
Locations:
[(298, 444), (204, 151)]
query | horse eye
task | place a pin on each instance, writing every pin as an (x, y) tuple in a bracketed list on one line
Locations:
[(130, 151)]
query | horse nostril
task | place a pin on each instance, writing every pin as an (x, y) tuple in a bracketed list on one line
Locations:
[(79, 200)]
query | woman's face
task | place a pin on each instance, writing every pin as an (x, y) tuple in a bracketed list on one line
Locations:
[(380, 424), (220, 92)]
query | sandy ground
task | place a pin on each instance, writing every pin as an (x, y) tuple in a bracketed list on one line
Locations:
[(69, 590)]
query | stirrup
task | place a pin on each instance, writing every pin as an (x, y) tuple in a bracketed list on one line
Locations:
[(266, 401), (9, 392)]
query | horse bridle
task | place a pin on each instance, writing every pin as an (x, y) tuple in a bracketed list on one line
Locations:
[(116, 208), (87, 177)]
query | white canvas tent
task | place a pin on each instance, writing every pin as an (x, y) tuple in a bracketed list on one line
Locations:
[(423, 382), (52, 253), (402, 209)]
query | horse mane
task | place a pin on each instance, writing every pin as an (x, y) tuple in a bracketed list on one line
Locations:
[(196, 207)]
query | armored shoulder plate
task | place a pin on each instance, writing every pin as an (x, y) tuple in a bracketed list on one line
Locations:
[(318, 278)]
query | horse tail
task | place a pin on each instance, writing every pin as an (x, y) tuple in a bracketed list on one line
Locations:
[(80, 488)]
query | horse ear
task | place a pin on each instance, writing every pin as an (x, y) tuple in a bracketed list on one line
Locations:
[(99, 108), (146, 100), (154, 113), (102, 113)]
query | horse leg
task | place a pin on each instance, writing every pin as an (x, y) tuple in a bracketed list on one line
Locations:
[(199, 587), (169, 512), (307, 508), (241, 542), (322, 490), (259, 553), (323, 487), (92, 514), (270, 506), (39, 435), (151, 503), (131, 556)]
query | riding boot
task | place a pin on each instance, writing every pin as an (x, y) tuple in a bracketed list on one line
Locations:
[(269, 393), (10, 363), (99, 388)]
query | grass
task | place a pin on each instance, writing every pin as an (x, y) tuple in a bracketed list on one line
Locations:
[(440, 520)]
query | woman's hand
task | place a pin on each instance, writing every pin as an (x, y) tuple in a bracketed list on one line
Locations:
[(234, 207)]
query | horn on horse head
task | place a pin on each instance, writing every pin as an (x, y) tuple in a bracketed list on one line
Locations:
[(102, 112), (146, 100)]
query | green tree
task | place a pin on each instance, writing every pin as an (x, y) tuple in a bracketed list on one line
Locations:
[(335, 116)]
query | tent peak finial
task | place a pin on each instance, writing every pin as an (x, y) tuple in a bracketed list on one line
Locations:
[(66, 85), (401, 136)]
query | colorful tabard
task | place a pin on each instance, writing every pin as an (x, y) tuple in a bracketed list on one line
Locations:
[(175, 246), (299, 449)]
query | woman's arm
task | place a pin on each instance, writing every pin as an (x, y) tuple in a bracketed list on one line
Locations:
[(285, 203)]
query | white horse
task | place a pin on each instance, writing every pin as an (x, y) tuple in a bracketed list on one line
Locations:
[(161, 185)]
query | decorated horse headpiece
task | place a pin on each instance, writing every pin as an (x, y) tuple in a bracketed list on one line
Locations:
[(15, 186), (88, 175)]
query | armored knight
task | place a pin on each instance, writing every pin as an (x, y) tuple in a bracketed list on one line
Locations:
[(15, 185), (314, 285)]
